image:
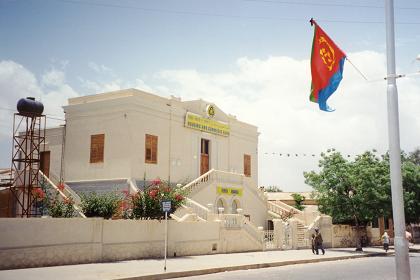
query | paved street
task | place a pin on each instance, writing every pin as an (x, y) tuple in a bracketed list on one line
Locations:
[(291, 264), (374, 268)]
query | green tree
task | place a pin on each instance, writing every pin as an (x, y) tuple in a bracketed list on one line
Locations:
[(351, 192), (410, 170)]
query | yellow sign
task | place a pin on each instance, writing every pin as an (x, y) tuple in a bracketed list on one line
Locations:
[(229, 191), (207, 125)]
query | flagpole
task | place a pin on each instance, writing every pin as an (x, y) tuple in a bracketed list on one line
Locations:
[(402, 261)]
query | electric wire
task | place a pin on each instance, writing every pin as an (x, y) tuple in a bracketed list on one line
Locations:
[(300, 3), (178, 12)]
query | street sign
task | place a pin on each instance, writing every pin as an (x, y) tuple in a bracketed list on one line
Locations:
[(166, 206)]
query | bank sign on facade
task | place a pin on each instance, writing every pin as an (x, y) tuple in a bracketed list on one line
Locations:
[(198, 122)]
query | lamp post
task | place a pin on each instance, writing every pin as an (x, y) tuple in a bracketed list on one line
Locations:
[(358, 240), (402, 261)]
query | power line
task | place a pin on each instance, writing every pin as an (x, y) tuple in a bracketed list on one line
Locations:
[(178, 12), (299, 3)]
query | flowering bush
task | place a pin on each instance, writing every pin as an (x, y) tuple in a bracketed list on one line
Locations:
[(38, 193), (61, 209), (49, 202), (148, 204)]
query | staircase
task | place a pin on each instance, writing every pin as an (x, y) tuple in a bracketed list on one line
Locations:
[(64, 193), (283, 211), (228, 221), (302, 241)]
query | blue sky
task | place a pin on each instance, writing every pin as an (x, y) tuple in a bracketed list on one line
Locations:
[(226, 52)]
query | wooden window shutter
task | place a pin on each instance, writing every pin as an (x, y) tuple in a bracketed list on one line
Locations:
[(151, 148), (247, 165), (97, 143)]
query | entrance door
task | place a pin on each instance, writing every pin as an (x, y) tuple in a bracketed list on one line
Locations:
[(44, 165), (205, 156)]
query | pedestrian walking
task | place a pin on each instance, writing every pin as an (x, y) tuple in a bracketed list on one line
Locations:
[(385, 241), (318, 242), (313, 243)]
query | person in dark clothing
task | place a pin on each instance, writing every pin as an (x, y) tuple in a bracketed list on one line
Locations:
[(313, 243), (318, 242)]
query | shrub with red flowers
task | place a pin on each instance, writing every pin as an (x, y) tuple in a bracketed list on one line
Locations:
[(38, 193), (60, 186), (61, 208), (148, 204), (50, 203)]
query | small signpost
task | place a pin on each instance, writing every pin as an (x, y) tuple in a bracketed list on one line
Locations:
[(166, 207)]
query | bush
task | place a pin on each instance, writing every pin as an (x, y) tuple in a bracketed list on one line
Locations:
[(48, 202), (148, 204), (61, 209), (100, 205)]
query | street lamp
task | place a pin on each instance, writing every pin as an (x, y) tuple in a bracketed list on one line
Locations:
[(358, 237)]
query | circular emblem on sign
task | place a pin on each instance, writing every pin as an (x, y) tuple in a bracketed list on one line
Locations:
[(326, 52), (211, 111)]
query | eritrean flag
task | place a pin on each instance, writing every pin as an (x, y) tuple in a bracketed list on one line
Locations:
[(327, 61)]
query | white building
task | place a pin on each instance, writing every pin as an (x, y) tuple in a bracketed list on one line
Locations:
[(113, 137), (132, 134)]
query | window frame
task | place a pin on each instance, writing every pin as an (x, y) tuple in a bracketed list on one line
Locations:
[(97, 148), (151, 143), (247, 160)]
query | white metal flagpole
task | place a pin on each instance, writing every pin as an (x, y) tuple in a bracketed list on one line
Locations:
[(402, 261)]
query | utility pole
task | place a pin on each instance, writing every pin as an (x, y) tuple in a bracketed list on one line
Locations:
[(402, 261)]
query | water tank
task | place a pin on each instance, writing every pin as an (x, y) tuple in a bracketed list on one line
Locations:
[(29, 107)]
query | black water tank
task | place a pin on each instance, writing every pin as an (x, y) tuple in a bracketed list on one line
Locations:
[(29, 107)]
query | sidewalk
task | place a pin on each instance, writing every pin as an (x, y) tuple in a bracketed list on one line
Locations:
[(184, 266)]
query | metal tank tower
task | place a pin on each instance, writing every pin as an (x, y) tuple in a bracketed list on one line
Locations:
[(28, 137)]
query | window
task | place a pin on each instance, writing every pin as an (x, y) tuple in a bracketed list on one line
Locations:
[(151, 149), (247, 165), (235, 206), (97, 148)]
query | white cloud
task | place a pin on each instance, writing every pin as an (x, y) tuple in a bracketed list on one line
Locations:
[(274, 95), (18, 82), (271, 93), (100, 68)]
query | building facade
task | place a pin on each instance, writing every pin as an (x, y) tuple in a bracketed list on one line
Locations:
[(134, 134)]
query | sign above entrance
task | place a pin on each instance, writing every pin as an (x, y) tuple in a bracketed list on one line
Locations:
[(229, 191), (198, 122)]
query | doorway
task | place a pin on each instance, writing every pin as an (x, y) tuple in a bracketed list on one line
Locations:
[(205, 156), (44, 165)]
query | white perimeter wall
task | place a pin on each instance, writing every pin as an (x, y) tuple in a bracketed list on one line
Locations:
[(38, 242)]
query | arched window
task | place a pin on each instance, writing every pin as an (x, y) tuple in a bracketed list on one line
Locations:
[(235, 206), (221, 204)]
